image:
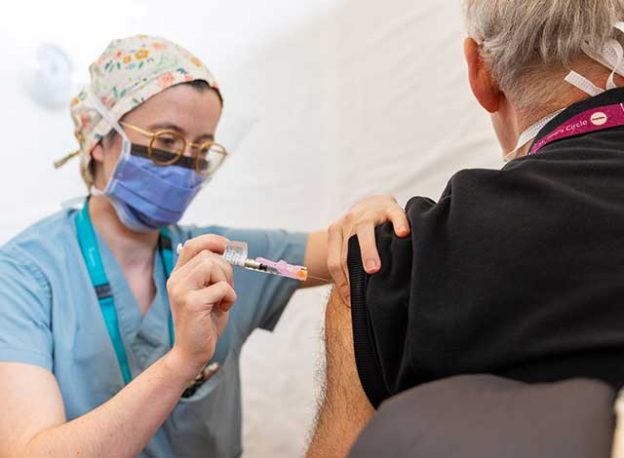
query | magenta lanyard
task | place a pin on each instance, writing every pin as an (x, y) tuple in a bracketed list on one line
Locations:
[(594, 120)]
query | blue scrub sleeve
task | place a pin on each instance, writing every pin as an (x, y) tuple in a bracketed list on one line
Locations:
[(25, 315), (262, 297)]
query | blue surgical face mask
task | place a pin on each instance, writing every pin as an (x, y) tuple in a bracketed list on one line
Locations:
[(146, 196)]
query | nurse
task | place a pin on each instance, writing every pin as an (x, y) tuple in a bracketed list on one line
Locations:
[(111, 344)]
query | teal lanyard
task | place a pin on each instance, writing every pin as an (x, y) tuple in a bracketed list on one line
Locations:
[(103, 291)]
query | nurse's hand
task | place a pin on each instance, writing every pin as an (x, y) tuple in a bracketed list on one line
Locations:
[(361, 220), (201, 293)]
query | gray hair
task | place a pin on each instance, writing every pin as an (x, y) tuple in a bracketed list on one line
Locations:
[(521, 39)]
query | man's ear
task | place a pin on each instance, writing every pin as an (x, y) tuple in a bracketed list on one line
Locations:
[(483, 85)]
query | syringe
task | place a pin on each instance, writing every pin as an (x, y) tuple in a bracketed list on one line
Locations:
[(236, 254)]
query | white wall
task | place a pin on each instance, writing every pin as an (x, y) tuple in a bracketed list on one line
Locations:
[(352, 97)]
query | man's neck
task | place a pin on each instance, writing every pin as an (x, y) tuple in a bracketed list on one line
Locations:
[(131, 249), (593, 71), (526, 118)]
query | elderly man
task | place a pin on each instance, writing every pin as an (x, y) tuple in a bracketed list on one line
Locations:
[(516, 272)]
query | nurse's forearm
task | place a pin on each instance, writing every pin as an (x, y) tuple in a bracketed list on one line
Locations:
[(124, 425), (316, 259)]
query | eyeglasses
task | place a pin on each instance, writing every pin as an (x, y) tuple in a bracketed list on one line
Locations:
[(168, 147)]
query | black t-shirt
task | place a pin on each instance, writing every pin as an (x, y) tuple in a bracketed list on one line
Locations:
[(516, 272)]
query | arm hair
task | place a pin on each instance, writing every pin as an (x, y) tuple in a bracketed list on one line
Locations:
[(345, 410)]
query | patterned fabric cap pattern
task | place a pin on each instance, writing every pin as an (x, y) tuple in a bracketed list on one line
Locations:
[(129, 71)]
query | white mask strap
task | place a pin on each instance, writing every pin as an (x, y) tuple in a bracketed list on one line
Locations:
[(530, 134), (511, 156), (96, 192), (612, 55), (106, 114), (616, 48), (582, 83), (619, 51), (608, 57), (126, 144)]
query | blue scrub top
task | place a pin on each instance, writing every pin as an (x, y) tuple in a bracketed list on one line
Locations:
[(50, 317)]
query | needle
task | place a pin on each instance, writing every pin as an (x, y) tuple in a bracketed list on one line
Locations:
[(312, 277)]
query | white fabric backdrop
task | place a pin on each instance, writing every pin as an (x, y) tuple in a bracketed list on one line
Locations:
[(352, 97)]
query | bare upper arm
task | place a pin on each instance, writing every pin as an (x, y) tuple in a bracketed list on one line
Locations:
[(342, 376), (345, 409), (30, 402)]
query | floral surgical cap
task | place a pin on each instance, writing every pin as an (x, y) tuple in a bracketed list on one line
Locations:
[(129, 72)]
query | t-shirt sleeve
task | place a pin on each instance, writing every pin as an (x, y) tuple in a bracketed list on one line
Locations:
[(380, 306), (25, 316), (262, 297)]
